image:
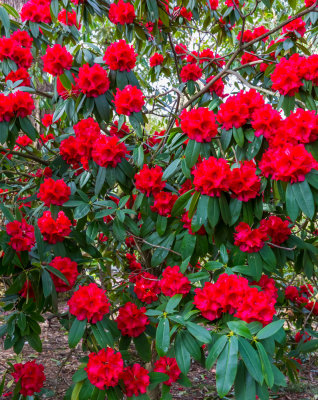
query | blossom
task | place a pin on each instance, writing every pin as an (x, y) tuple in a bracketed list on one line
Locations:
[(248, 36), (211, 177), (56, 60), (23, 104), (21, 235), (24, 141), (163, 203), (66, 93), (243, 182), (129, 100), (120, 56), (233, 113), (104, 368), (291, 293), (147, 287), (69, 151), (36, 11), (22, 38), (248, 58), (31, 377), (149, 180), (213, 4), (108, 151), (18, 75), (121, 13), (47, 120), (217, 87), (156, 59), (92, 81), (174, 282), (124, 130), (276, 229), (136, 380), (297, 25), (181, 50), (54, 192), (199, 124), (54, 230), (249, 240), (266, 121), (302, 126), (206, 55), (6, 107), (288, 74), (131, 320), (169, 366), (68, 268), (89, 302), (190, 72), (134, 265), (68, 18)]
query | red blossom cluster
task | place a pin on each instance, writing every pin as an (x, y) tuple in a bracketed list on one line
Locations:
[(134, 265), (136, 380), (169, 366), (190, 72), (120, 56), (23, 141), (156, 59), (68, 268), (54, 192), (303, 337), (123, 131), (149, 180), (232, 294), (121, 13), (131, 320), (36, 11), (182, 12), (108, 151), (249, 35), (129, 100), (57, 60), (300, 296), (174, 282), (89, 302), (54, 230), (199, 124), (18, 75), (17, 104), (147, 287), (31, 377), (296, 27), (104, 368), (17, 48), (217, 87), (92, 81), (21, 235), (163, 203), (68, 18)]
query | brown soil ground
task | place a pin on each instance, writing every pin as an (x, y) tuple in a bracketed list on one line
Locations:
[(60, 363)]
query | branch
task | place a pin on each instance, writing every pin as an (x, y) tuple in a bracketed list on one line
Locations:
[(175, 57), (34, 158)]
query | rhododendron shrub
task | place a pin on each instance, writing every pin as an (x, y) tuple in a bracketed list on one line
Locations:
[(159, 193)]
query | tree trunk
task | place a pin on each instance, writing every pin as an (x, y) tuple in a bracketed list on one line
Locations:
[(16, 4)]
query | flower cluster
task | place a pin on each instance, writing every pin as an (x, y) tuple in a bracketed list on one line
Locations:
[(163, 203), (149, 180), (56, 60), (232, 294), (276, 229), (54, 192), (156, 59), (17, 104), (68, 268), (104, 368), (296, 27), (147, 287), (121, 13), (120, 56), (134, 265), (18, 75), (190, 72), (129, 100), (131, 320), (199, 124), (31, 377), (54, 230), (92, 81), (136, 380), (21, 235), (68, 18), (89, 302), (300, 296), (243, 181), (169, 366), (174, 282), (108, 151), (249, 240), (17, 49), (36, 11), (123, 131), (217, 87), (249, 35)]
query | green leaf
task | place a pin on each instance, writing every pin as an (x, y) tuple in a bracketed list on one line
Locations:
[(4, 131), (180, 204), (215, 351), (143, 347), (244, 384), (304, 198), (169, 171), (266, 365), (102, 107), (6, 212), (308, 347), (235, 210), (153, 10), (240, 328), (81, 211), (192, 152), (193, 204), (226, 367), (163, 337), (182, 354), (202, 210), (251, 360), (47, 283), (76, 332), (199, 332), (187, 245), (35, 342), (192, 345), (255, 265), (291, 203), (100, 180), (238, 135), (225, 211), (173, 302), (270, 329), (213, 211), (4, 17), (161, 224), (156, 378)]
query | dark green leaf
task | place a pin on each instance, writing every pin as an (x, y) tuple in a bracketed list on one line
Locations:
[(163, 337), (251, 360), (226, 367), (76, 332), (270, 329), (304, 198), (215, 351)]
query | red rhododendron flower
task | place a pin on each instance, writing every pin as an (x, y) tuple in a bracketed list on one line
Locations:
[(56, 60), (124, 130), (297, 25), (213, 4), (276, 229), (22, 38), (163, 203), (22, 57), (190, 72), (108, 151), (92, 81), (183, 12), (104, 368), (69, 151), (68, 268), (302, 125), (89, 302), (18, 75), (134, 265), (149, 180), (287, 75), (259, 31), (268, 287), (45, 139), (136, 380), (217, 87), (287, 164), (169, 366), (23, 104), (47, 120), (233, 113), (291, 293), (248, 36), (54, 230), (68, 18), (206, 55), (121, 13), (147, 287), (307, 289), (252, 99), (36, 11), (174, 282), (156, 59), (304, 337), (193, 57), (31, 377), (244, 183), (181, 50), (24, 141), (312, 69), (248, 58), (249, 240), (120, 56), (54, 192), (211, 177), (21, 235), (199, 124), (129, 100), (266, 121), (6, 108), (131, 320)]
